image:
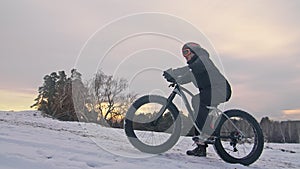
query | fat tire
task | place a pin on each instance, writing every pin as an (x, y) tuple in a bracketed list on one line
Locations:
[(254, 154), (133, 139)]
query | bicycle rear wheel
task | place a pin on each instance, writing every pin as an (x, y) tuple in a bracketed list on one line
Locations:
[(151, 131), (239, 138)]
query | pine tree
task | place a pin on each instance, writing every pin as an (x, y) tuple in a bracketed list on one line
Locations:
[(55, 96)]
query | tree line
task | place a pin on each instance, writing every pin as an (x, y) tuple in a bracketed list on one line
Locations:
[(280, 132), (102, 99)]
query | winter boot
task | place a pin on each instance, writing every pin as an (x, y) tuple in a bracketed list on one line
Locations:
[(200, 150)]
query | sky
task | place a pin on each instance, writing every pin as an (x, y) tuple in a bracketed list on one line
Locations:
[(254, 43)]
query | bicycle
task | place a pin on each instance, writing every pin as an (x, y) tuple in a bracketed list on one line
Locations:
[(153, 125)]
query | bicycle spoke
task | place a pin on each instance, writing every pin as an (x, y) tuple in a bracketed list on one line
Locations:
[(235, 142)]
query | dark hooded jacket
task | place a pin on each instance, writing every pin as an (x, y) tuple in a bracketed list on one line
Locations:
[(204, 74)]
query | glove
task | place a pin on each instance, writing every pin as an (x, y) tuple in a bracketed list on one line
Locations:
[(168, 76)]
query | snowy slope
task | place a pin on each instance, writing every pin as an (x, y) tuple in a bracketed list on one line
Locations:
[(30, 141)]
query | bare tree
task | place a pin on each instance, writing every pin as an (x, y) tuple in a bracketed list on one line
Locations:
[(110, 97)]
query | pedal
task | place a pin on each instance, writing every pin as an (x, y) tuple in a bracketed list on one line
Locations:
[(209, 141), (195, 139)]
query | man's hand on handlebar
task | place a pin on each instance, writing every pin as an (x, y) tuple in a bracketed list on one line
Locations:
[(168, 75)]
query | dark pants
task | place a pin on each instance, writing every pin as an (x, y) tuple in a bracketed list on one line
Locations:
[(208, 97)]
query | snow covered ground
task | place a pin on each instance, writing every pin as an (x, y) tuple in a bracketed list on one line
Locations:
[(30, 141)]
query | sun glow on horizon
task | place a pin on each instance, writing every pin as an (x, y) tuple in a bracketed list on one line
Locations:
[(16, 101)]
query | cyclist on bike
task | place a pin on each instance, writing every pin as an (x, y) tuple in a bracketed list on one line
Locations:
[(213, 87)]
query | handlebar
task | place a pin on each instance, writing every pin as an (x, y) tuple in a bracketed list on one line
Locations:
[(172, 85), (176, 85)]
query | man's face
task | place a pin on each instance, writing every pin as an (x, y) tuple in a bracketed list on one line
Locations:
[(187, 54), (189, 57)]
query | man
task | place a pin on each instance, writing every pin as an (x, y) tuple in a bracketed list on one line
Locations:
[(213, 87)]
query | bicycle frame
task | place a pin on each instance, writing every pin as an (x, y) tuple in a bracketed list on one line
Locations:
[(179, 90)]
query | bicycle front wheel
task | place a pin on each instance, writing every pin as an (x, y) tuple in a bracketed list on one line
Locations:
[(239, 138), (150, 130)]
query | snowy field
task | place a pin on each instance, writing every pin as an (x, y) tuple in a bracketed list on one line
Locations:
[(30, 141)]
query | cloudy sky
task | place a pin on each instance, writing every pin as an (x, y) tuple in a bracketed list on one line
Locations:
[(255, 43)]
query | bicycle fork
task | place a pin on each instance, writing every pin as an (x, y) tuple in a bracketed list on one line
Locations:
[(164, 107)]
